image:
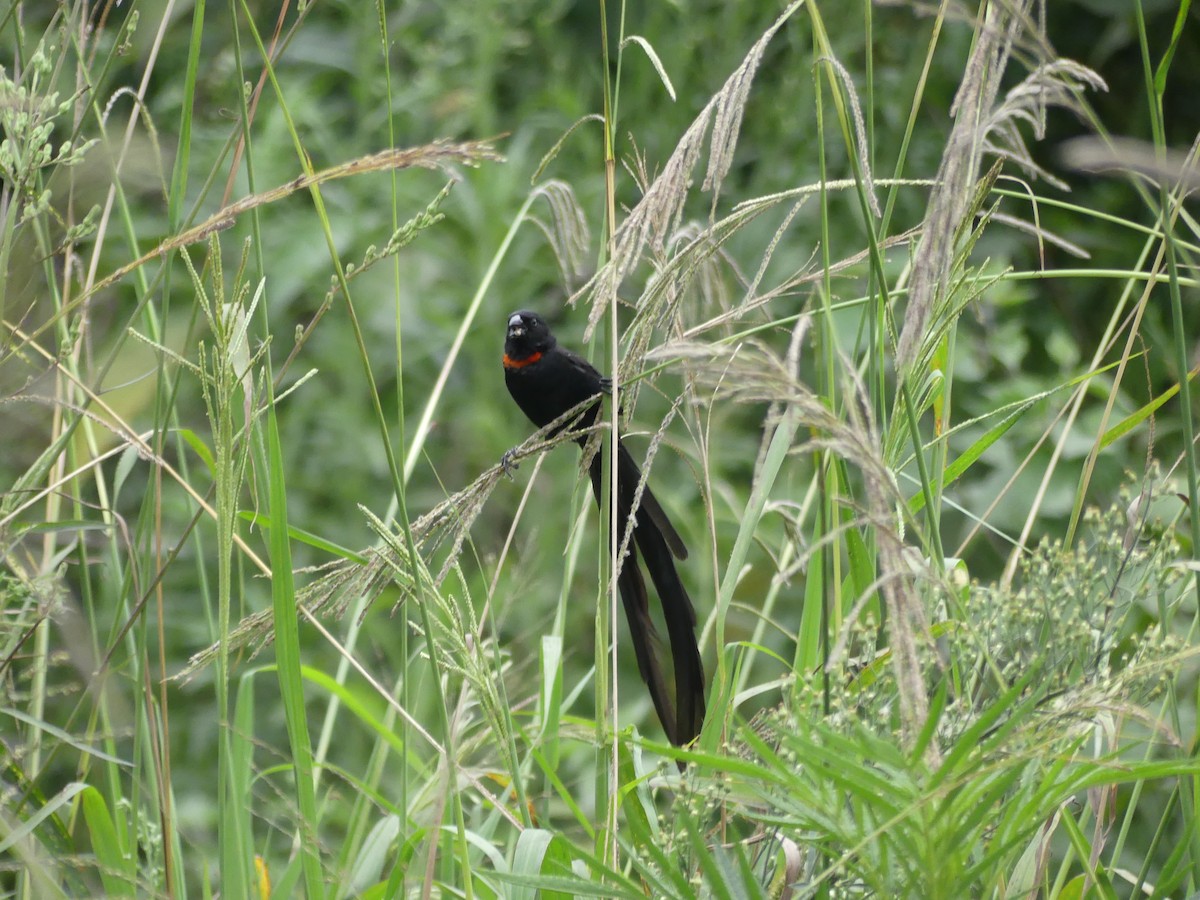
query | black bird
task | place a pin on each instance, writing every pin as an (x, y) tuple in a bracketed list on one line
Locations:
[(547, 380)]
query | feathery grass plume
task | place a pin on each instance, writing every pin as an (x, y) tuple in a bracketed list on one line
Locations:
[(370, 572), (981, 126), (753, 373), (861, 143), (567, 231), (899, 564), (1055, 83), (657, 215), (436, 155), (693, 255)]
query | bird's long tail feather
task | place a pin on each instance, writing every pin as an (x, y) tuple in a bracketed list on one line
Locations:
[(658, 542)]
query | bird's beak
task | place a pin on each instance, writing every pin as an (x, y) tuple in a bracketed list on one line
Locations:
[(516, 326)]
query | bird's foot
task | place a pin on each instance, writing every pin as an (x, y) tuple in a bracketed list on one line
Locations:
[(507, 463)]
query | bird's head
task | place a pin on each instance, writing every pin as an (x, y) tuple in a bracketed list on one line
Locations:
[(527, 339)]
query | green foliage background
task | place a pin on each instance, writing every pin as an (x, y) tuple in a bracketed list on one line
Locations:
[(113, 580)]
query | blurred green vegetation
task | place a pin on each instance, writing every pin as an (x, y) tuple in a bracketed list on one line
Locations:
[(122, 563)]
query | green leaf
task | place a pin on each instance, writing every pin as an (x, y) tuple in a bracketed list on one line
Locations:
[(1136, 418), (117, 866), (540, 852), (26, 828), (304, 537), (550, 697), (64, 736), (200, 448), (1160, 74), (367, 868), (287, 656)]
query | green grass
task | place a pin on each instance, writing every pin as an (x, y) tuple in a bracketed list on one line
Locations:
[(923, 418)]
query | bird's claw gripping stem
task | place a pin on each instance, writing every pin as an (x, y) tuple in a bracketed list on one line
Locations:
[(507, 463)]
